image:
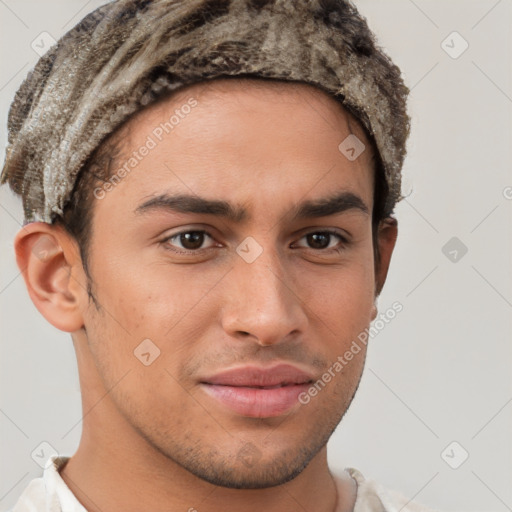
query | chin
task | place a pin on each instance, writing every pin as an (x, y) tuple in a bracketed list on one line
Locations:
[(249, 468), (258, 477)]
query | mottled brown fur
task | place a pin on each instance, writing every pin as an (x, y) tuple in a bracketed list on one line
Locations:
[(128, 53)]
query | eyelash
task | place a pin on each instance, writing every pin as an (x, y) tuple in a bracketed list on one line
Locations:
[(331, 232)]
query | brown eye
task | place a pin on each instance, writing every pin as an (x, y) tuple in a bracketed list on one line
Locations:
[(321, 240), (187, 240), (318, 240), (192, 239)]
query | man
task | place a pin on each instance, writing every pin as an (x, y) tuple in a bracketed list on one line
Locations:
[(208, 190)]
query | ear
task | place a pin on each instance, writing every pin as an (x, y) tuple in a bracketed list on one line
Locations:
[(50, 262), (386, 239)]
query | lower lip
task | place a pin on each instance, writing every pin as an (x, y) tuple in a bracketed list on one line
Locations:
[(257, 402)]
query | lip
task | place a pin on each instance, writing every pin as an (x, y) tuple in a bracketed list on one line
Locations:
[(258, 392)]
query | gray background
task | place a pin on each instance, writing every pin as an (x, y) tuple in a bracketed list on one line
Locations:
[(440, 371)]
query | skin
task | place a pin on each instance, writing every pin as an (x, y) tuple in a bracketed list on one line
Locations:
[(151, 437)]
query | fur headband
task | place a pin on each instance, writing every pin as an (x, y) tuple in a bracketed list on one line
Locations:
[(128, 53)]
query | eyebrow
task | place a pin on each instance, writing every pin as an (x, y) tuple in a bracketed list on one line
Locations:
[(184, 203)]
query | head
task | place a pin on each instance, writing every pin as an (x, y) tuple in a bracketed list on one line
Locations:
[(240, 236)]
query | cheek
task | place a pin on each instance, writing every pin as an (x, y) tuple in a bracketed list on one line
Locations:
[(156, 308), (342, 297), (147, 295)]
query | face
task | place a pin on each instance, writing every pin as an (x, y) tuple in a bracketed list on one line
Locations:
[(227, 282)]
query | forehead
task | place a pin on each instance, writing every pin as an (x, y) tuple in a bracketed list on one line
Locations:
[(244, 134), (248, 95), (260, 91)]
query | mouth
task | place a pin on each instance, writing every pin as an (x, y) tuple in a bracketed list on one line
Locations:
[(257, 392)]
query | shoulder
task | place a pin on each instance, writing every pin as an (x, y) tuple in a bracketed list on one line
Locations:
[(374, 497)]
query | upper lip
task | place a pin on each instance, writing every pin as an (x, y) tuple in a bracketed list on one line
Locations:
[(257, 376)]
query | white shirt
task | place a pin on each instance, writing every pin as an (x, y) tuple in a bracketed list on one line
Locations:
[(49, 493)]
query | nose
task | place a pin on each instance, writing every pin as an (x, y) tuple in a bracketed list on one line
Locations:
[(261, 302)]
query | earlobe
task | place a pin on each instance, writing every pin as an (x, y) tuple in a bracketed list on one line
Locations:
[(387, 236), (48, 260)]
